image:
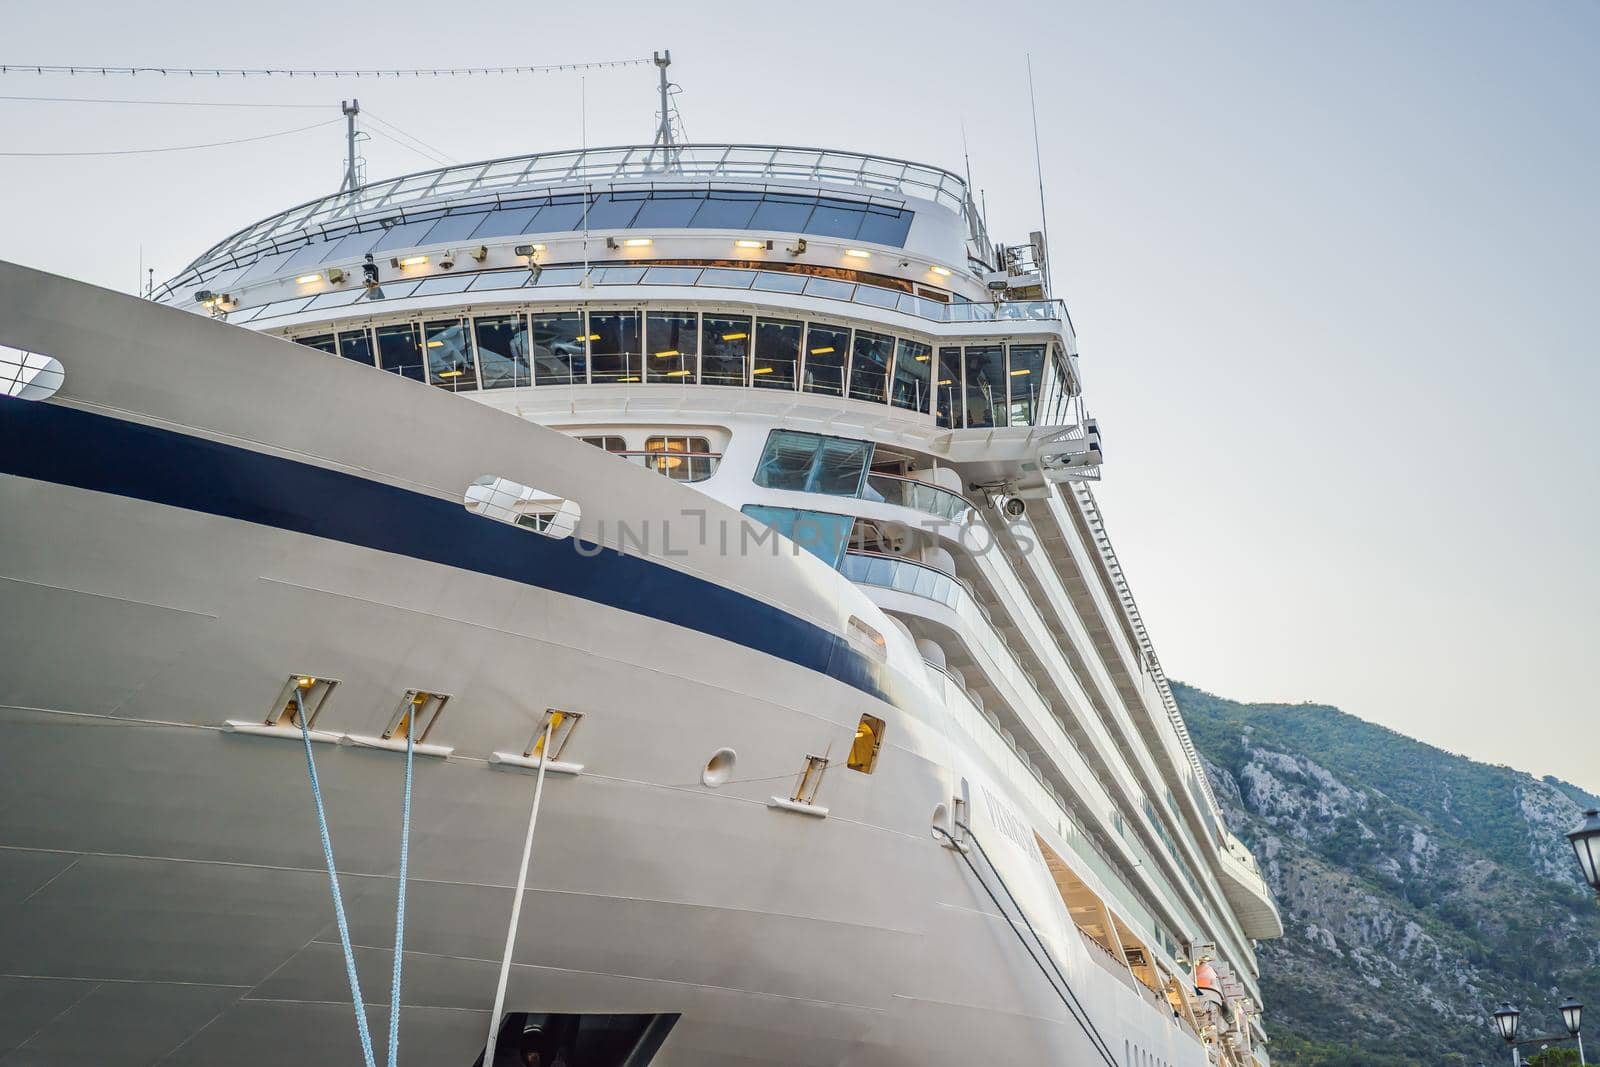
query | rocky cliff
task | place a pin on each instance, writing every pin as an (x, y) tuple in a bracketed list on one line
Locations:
[(1419, 889)]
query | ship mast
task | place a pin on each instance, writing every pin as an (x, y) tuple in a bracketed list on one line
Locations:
[(352, 180)]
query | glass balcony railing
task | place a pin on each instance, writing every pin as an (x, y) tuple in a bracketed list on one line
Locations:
[(910, 493)]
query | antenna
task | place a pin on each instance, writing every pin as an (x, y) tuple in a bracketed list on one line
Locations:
[(664, 128), (352, 181), (1038, 166)]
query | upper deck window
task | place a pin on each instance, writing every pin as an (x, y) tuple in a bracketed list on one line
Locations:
[(869, 366), (985, 367), (503, 351), (826, 348), (913, 365), (725, 349), (948, 388), (1026, 377), (449, 353), (614, 346), (672, 344), (400, 350), (777, 355), (558, 348)]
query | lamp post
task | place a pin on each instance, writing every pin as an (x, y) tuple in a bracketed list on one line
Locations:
[(1505, 1021), (1572, 1015), (1586, 846)]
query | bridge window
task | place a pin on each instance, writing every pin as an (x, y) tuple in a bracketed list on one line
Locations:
[(986, 385), (449, 353), (869, 366), (683, 459), (812, 463), (826, 348), (671, 341), (948, 388), (820, 533), (725, 349), (502, 342), (614, 346), (558, 349), (912, 369), (321, 342), (356, 345), (726, 211), (1026, 378), (400, 350), (777, 355), (664, 211)]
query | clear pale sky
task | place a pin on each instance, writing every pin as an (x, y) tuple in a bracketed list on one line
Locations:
[(1333, 268)]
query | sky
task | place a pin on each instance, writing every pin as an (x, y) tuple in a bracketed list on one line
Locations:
[(1332, 268)]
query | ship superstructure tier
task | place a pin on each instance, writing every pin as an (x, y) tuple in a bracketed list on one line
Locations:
[(831, 345)]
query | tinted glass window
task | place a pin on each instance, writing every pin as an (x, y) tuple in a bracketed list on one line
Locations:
[(558, 349), (818, 532), (912, 370), (503, 351), (671, 343), (948, 391), (564, 214), (877, 297), (322, 343), (501, 279), (618, 275), (812, 463), (883, 228), (726, 211), (405, 235), (608, 212), (773, 282), (725, 348), (831, 288), (449, 351), (309, 256), (356, 345), (732, 279), (336, 299), (1026, 378), (779, 212), (353, 246), (834, 220), (826, 347), (671, 275), (986, 385), (443, 284), (559, 276), (400, 350), (453, 228), (667, 212), (505, 222), (777, 354), (614, 346), (869, 366)]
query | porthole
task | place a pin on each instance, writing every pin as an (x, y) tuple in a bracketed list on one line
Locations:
[(719, 768)]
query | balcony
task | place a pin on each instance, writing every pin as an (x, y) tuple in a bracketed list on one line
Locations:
[(1247, 891), (920, 496)]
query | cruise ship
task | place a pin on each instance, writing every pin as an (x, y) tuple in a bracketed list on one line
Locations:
[(697, 536)]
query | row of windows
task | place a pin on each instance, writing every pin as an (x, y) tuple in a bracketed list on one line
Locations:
[(977, 386), (660, 209)]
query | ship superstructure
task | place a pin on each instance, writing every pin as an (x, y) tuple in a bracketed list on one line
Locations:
[(966, 798)]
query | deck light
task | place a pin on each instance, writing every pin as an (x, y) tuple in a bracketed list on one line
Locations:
[(943, 272), (408, 261), (857, 253), (746, 243), (799, 247), (1505, 1021), (480, 253), (1586, 846), (528, 251), (307, 279)]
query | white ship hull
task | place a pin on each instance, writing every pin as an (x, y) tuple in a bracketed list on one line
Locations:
[(165, 891)]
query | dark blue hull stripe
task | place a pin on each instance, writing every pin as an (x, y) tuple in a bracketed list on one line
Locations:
[(50, 443)]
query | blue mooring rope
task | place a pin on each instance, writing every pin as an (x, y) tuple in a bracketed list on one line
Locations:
[(400, 900), (338, 901)]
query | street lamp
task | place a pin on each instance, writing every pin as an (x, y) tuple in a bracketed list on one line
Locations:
[(1586, 845), (1505, 1021), (1572, 1015)]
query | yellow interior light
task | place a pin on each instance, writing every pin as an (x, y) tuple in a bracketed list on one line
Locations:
[(677, 373), (449, 374), (590, 337), (762, 370), (1020, 373), (750, 244), (306, 683), (734, 336), (435, 344), (666, 352), (946, 381), (637, 242), (627, 379), (307, 279), (857, 253), (943, 272), (922, 358), (821, 351)]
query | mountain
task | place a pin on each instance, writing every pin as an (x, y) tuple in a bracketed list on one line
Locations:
[(1419, 889)]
